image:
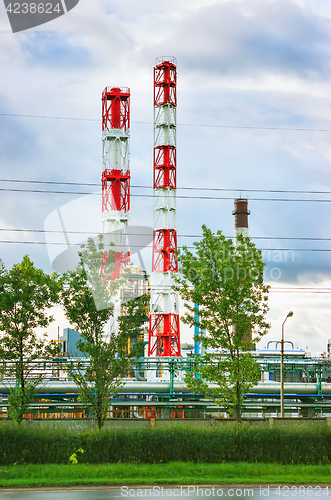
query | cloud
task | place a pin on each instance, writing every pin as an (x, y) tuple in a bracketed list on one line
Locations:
[(258, 37)]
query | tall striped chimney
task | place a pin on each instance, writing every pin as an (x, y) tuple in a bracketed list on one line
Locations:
[(164, 326)]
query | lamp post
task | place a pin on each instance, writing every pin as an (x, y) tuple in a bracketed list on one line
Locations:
[(289, 315)]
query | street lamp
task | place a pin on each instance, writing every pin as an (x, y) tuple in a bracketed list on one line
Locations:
[(289, 315)]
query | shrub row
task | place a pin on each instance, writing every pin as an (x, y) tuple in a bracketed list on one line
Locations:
[(229, 444)]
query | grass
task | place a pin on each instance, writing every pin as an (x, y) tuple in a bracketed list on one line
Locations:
[(175, 473)]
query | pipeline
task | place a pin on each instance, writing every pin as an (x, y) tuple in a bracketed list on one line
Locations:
[(163, 387)]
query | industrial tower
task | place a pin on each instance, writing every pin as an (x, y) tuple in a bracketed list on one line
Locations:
[(164, 333), (116, 173), (241, 214)]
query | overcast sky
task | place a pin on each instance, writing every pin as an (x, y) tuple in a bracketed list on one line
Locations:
[(246, 70)]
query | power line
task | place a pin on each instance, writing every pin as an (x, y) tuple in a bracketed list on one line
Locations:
[(302, 288), (301, 292), (297, 290), (242, 127), (152, 196), (178, 187), (189, 247), (143, 234), (54, 182), (294, 290), (44, 117), (323, 290)]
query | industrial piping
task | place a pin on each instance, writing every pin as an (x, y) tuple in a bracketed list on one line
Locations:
[(132, 387)]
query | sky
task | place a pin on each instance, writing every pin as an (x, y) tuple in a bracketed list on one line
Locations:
[(254, 120)]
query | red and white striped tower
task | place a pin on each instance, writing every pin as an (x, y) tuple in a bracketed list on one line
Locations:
[(116, 173), (164, 333)]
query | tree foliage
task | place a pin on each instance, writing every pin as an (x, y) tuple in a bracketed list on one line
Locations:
[(26, 294), (226, 282), (88, 303)]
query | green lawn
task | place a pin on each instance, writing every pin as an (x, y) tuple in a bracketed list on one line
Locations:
[(173, 473)]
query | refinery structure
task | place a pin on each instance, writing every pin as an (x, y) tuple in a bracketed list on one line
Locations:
[(155, 386), (116, 168), (164, 332)]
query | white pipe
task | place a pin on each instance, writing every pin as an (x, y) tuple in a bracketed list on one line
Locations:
[(68, 387)]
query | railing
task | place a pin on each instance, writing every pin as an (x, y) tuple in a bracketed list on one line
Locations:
[(160, 60)]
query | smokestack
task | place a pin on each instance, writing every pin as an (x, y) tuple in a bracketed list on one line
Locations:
[(241, 214), (164, 326)]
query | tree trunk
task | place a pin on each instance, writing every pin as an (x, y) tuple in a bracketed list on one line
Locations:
[(99, 410), (22, 381), (238, 405)]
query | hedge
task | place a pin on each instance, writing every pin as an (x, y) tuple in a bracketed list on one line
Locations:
[(152, 445)]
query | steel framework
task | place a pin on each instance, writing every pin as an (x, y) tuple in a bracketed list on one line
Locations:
[(116, 173), (164, 330)]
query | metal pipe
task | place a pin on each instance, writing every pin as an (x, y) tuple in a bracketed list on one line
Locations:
[(142, 387), (196, 332), (285, 342), (289, 315)]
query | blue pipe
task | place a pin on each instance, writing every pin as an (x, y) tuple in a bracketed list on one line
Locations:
[(196, 332)]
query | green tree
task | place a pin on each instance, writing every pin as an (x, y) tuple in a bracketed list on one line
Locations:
[(226, 282), (26, 294), (88, 303)]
